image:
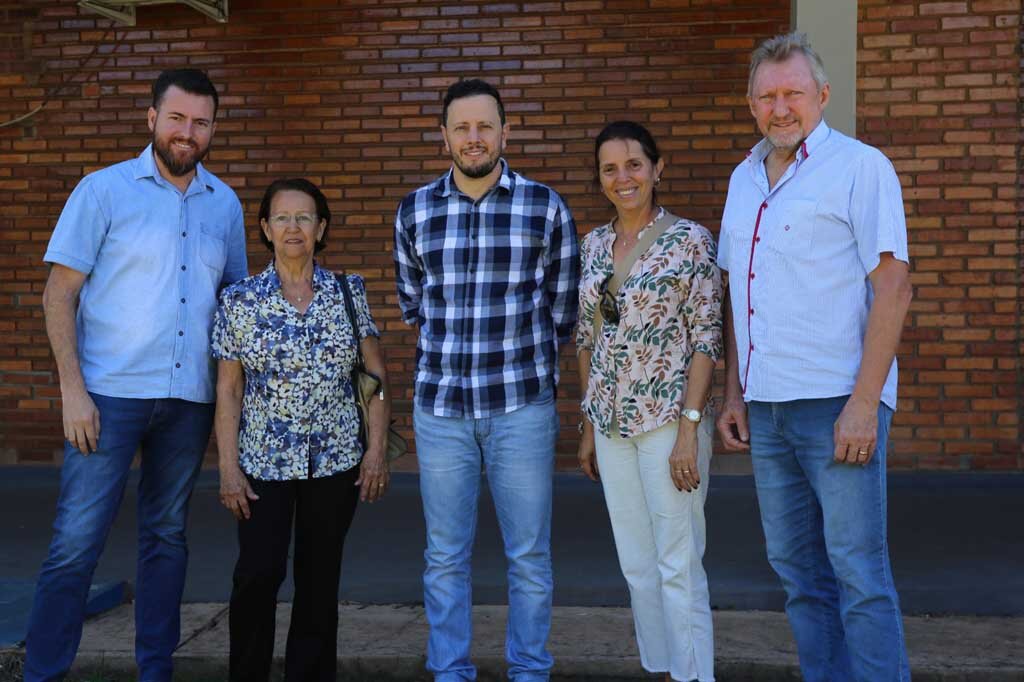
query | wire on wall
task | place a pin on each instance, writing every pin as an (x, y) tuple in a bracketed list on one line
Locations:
[(57, 90)]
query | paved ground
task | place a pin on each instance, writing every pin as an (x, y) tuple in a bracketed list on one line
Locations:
[(957, 548)]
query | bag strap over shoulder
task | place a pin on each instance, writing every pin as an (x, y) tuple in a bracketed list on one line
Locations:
[(626, 264), (350, 310)]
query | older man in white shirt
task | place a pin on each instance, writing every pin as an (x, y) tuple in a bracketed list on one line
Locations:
[(814, 242)]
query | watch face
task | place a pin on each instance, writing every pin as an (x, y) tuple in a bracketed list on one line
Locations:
[(692, 415)]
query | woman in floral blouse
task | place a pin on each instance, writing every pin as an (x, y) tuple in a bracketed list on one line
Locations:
[(288, 434), (646, 376)]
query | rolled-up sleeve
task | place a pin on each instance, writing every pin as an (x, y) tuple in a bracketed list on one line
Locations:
[(876, 211), (408, 270), (563, 273), (80, 230), (703, 307)]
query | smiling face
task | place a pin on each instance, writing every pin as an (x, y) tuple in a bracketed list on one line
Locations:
[(293, 226), (182, 130), (474, 135), (627, 175), (786, 102)]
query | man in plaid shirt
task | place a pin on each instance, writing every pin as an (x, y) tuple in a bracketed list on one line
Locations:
[(487, 268)]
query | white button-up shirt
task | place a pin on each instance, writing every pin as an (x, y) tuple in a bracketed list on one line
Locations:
[(798, 257)]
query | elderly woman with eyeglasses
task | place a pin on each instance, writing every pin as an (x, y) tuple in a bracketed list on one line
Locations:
[(650, 331), (288, 432)]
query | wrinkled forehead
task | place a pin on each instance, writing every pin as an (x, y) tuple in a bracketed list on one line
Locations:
[(292, 200), (793, 70)]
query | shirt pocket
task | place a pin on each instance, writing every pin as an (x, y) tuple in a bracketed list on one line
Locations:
[(213, 249), (793, 232)]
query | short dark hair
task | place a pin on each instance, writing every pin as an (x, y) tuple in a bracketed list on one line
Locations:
[(469, 88), (323, 211), (626, 130), (192, 81)]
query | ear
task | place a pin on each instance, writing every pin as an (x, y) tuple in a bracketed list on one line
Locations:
[(151, 119), (825, 94), (266, 230), (659, 167), (750, 103), (320, 232), (444, 136), (504, 136)]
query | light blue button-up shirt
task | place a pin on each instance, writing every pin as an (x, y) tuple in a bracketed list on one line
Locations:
[(155, 259), (799, 256)]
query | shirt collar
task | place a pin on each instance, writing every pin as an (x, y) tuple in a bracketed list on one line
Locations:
[(506, 181), (810, 144), (145, 167)]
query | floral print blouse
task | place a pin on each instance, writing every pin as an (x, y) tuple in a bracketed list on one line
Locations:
[(670, 306), (299, 417)]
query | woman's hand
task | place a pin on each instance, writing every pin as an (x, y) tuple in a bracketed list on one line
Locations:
[(585, 453), (235, 491), (373, 475), (682, 463)]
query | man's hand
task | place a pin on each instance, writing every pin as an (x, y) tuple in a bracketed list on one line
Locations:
[(81, 420), (732, 424), (856, 431)]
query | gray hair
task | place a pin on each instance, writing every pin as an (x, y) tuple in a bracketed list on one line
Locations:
[(782, 47)]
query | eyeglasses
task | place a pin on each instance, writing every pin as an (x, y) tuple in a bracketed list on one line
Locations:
[(607, 303), (302, 220)]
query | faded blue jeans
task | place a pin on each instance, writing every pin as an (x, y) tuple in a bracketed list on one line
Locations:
[(173, 435), (517, 452), (825, 532)]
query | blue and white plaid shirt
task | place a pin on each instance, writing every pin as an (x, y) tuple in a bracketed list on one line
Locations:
[(492, 285)]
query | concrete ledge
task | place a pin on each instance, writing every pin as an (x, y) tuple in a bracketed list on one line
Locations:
[(386, 642)]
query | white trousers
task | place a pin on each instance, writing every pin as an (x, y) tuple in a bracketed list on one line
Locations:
[(659, 537)]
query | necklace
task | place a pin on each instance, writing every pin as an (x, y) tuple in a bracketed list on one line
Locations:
[(298, 297)]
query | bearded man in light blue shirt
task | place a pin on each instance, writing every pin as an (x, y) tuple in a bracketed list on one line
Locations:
[(814, 241), (138, 255)]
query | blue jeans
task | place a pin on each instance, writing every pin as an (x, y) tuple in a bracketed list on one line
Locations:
[(825, 531), (517, 451), (172, 435)]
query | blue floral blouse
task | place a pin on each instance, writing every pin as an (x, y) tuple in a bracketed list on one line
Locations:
[(299, 416)]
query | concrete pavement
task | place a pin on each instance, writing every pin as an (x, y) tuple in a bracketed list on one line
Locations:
[(387, 642), (957, 548)]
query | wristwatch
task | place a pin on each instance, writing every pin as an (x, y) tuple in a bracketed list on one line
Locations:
[(692, 415)]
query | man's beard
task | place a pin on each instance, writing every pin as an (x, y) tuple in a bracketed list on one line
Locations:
[(787, 140), (480, 171), (178, 166)]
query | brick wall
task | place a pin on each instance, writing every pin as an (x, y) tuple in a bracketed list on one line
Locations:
[(348, 93), (939, 91)]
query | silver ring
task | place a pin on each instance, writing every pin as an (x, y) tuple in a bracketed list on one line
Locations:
[(862, 452), (380, 485)]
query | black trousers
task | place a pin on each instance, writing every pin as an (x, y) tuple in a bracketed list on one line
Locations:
[(322, 510)]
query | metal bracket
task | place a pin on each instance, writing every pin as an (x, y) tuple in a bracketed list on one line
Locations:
[(123, 11)]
